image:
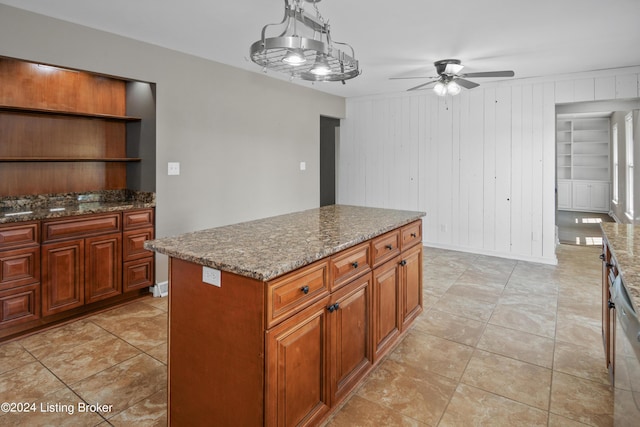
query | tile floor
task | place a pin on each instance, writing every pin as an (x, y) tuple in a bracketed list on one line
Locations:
[(500, 343)]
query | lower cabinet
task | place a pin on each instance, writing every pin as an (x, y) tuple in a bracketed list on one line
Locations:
[(62, 276), (588, 196), (411, 284), (386, 306), (103, 267), (297, 390)]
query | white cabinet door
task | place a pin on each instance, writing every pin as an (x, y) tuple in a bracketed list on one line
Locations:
[(582, 196), (564, 194), (600, 196)]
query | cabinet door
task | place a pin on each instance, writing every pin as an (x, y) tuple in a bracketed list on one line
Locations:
[(297, 389), (386, 316), (62, 276), (411, 290), (351, 352), (103, 267), (582, 196), (600, 196), (564, 194)]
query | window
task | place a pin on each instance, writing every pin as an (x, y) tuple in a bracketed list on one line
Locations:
[(614, 136), (628, 130)]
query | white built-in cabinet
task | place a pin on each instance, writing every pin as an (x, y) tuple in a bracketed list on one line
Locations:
[(582, 162)]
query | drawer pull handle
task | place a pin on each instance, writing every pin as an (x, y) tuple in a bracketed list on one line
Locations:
[(602, 257), (609, 265), (333, 307), (355, 264), (414, 235), (389, 247), (611, 304), (305, 289), (403, 262)]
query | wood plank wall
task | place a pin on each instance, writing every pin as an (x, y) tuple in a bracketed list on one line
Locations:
[(481, 164)]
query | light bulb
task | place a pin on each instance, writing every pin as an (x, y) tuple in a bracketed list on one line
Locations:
[(453, 88), (294, 57), (321, 66), (440, 89)]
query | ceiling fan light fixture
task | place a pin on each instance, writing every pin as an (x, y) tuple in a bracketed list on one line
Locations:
[(440, 89), (299, 37), (453, 88)]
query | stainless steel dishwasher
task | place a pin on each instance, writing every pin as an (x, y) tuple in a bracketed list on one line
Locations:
[(627, 358)]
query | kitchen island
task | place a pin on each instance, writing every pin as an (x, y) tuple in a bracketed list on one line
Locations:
[(275, 321)]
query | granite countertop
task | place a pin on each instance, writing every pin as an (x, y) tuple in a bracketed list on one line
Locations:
[(47, 206), (625, 247), (266, 248)]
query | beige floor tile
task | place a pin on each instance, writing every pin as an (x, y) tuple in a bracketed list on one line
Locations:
[(63, 338), (74, 364), (60, 408), (159, 353), (579, 330), (432, 354), (143, 333), (581, 400), (470, 406), (465, 306), (28, 383), (559, 421), (360, 412), (126, 314), (529, 318), (13, 355), (409, 391), (450, 327), (151, 412), (129, 383), (580, 361), (477, 291), (510, 378), (161, 303), (518, 345), (517, 295)]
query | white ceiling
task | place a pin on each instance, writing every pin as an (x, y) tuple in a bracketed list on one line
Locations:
[(390, 38)]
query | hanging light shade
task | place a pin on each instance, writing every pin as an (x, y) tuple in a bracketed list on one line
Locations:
[(453, 88), (440, 89), (303, 48)]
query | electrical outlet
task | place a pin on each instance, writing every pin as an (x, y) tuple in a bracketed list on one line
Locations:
[(303, 166), (173, 168), (211, 276)]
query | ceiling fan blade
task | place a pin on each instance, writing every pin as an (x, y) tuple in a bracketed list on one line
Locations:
[(416, 77), (467, 84), (422, 85), (491, 74)]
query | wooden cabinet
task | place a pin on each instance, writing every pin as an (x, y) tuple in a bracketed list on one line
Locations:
[(386, 306), (609, 273), (138, 267), (79, 271), (350, 336), (19, 273), (297, 390), (288, 351)]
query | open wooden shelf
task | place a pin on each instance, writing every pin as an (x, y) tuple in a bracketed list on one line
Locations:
[(15, 109), (69, 159)]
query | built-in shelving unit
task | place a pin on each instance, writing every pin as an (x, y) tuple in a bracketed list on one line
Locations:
[(582, 162), (64, 130)]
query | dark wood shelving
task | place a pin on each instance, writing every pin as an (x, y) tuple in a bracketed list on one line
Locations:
[(15, 109), (69, 159)]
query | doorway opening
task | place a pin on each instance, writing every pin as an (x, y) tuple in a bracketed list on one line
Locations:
[(329, 136)]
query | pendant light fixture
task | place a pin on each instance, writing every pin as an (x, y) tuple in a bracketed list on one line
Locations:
[(445, 86), (303, 48)]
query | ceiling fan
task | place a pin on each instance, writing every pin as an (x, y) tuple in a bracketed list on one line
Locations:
[(449, 79)]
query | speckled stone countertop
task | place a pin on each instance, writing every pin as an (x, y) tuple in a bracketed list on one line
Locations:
[(624, 242), (46, 206), (266, 248)]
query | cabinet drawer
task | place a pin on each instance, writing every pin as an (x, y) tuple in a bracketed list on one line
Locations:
[(411, 234), (19, 267), (295, 291), (133, 244), (19, 305), (23, 234), (137, 219), (80, 227), (385, 247), (349, 263), (137, 274)]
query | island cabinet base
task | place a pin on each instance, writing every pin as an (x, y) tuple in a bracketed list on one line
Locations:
[(288, 351)]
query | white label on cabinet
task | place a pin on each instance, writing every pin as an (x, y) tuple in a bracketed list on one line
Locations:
[(211, 276)]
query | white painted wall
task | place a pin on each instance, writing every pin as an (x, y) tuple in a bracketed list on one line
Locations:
[(481, 164), (239, 136)]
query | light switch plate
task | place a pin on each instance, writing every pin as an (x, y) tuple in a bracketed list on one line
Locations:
[(173, 168), (211, 276), (303, 166)]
